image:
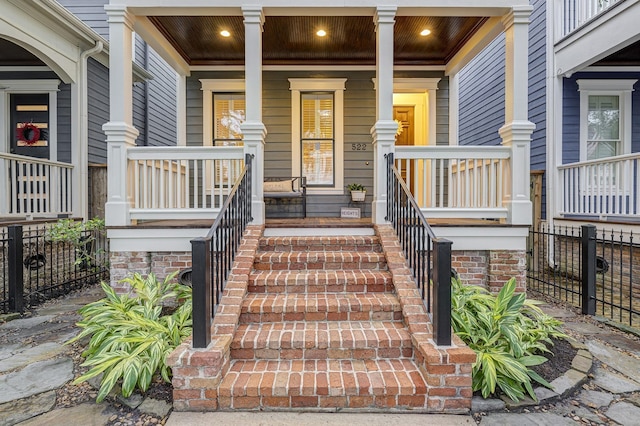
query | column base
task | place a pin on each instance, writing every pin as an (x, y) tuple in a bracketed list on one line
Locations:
[(519, 212)]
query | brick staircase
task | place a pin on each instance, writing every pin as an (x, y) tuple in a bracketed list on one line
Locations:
[(325, 323)]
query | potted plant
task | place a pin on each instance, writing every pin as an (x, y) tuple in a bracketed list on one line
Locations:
[(358, 191)]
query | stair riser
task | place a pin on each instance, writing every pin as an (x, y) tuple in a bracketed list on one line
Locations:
[(262, 287), (330, 403), (320, 265), (247, 318), (320, 354), (321, 247)]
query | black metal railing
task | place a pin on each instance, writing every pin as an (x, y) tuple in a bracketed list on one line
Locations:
[(598, 271), (212, 256), (35, 268), (428, 257)]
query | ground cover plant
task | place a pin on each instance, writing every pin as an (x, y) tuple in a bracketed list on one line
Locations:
[(509, 334), (132, 334)]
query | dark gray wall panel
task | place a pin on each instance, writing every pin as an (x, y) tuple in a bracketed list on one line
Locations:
[(64, 123), (98, 110)]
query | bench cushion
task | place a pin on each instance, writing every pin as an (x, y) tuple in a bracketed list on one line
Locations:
[(281, 186)]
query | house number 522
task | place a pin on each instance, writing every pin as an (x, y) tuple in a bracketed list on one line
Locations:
[(358, 147)]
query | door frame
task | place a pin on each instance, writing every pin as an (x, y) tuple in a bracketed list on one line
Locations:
[(8, 87)]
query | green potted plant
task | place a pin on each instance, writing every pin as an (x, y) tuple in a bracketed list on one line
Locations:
[(358, 191)]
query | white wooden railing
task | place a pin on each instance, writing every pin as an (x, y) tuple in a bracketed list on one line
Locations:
[(457, 181), (607, 187), (180, 182), (573, 14), (34, 187)]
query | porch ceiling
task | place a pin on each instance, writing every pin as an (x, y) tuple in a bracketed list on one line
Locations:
[(291, 40), (13, 55), (628, 56)]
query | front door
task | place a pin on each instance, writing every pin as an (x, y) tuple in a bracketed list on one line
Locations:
[(404, 115), (29, 124)]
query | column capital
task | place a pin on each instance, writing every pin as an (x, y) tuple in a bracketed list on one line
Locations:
[(384, 131), (120, 132), (254, 130), (385, 15), (253, 14), (119, 14), (516, 131), (517, 15)]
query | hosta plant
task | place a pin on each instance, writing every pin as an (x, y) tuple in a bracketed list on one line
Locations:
[(132, 334), (509, 334)]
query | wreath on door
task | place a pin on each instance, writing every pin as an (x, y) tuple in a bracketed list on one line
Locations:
[(29, 133)]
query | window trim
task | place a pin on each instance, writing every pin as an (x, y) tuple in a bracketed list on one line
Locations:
[(49, 86), (613, 87), (209, 87), (337, 86)]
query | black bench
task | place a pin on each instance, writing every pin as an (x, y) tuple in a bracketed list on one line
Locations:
[(279, 188)]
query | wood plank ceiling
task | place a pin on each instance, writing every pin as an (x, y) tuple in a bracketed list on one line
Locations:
[(292, 40)]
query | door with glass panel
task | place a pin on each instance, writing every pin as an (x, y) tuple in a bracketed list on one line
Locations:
[(317, 139)]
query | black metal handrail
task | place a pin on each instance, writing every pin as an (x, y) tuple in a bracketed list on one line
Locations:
[(212, 255), (428, 257)]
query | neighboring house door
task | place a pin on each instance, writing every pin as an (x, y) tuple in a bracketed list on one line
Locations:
[(29, 136), (404, 115), (29, 124)]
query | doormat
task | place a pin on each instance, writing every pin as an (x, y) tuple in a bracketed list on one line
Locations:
[(350, 213)]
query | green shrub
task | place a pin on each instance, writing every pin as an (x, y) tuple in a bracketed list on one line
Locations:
[(508, 334), (131, 336), (81, 235)]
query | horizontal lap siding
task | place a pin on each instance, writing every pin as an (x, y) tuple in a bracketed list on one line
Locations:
[(64, 123), (91, 12), (163, 93), (98, 110)]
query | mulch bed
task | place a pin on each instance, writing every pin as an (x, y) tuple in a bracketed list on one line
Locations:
[(559, 361)]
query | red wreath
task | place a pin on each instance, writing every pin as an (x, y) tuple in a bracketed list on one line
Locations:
[(29, 133)]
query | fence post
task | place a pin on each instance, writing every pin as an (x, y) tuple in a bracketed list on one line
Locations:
[(588, 269), (16, 276), (441, 311), (201, 291)]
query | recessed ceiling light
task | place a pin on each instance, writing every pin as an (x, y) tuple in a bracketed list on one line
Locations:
[(225, 33), (425, 32), (321, 33)]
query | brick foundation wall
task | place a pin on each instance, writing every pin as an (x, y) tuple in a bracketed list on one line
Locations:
[(127, 263), (490, 268)]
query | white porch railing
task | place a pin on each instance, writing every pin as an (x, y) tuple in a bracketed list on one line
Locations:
[(457, 181), (180, 182), (572, 14), (607, 187), (34, 187)]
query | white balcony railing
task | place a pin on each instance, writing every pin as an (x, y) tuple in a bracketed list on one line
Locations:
[(34, 187), (573, 14), (457, 181), (607, 187), (180, 182)]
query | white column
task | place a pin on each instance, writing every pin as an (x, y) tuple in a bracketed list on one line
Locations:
[(253, 130), (181, 110), (516, 133), (384, 131), (121, 134)]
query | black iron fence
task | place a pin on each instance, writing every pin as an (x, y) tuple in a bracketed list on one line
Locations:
[(212, 256), (35, 267), (598, 271), (428, 257)]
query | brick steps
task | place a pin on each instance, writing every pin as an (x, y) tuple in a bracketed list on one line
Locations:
[(314, 260), (261, 307), (323, 383), (322, 340), (304, 244), (320, 281)]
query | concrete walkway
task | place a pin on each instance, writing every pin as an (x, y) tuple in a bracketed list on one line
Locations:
[(35, 364)]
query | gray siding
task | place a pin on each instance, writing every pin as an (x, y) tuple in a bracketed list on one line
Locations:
[(64, 123), (91, 12), (571, 112), (162, 108), (98, 110), (359, 117)]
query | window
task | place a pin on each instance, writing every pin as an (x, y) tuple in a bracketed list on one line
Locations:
[(228, 115), (317, 133), (605, 118), (318, 144)]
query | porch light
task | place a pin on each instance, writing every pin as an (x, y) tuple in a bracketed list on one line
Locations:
[(425, 32), (321, 33), (225, 33)]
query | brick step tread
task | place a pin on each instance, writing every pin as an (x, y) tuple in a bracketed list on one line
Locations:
[(317, 260), (320, 243), (320, 281), (273, 307), (322, 340), (391, 383)]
